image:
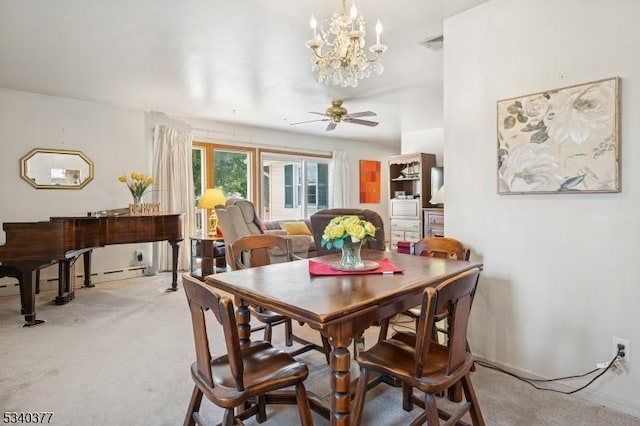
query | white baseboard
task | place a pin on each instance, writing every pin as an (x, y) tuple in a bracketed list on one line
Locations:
[(593, 396), (10, 287)]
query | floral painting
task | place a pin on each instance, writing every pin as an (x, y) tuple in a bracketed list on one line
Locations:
[(560, 141)]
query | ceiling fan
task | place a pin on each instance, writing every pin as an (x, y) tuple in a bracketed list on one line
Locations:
[(336, 113)]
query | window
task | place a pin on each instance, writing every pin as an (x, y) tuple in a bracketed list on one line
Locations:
[(293, 186), (221, 166)]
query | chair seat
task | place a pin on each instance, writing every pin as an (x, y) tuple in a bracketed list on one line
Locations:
[(265, 369), (264, 315), (396, 357)]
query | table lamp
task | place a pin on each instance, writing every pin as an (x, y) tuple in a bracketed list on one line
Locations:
[(438, 197), (212, 197)]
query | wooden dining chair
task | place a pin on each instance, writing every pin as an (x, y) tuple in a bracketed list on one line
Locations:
[(424, 364), (257, 250), (252, 251), (442, 247), (445, 247), (242, 376)]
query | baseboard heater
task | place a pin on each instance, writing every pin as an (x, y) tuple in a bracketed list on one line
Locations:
[(10, 287)]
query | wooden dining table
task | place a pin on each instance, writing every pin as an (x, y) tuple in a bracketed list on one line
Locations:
[(340, 307)]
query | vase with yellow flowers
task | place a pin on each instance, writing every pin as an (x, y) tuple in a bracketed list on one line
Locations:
[(137, 183), (347, 233)]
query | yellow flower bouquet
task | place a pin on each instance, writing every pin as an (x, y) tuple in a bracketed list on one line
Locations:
[(347, 233), (137, 184), (350, 228)]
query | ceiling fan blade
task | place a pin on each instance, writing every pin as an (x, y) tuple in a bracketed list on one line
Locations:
[(362, 114), (331, 126), (363, 122), (309, 121)]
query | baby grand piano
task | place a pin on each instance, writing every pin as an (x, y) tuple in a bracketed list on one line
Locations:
[(31, 246)]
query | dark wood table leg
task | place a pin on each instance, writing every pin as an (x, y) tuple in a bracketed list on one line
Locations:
[(86, 257), (340, 361)]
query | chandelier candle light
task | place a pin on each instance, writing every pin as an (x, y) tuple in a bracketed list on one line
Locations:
[(344, 61), (348, 233)]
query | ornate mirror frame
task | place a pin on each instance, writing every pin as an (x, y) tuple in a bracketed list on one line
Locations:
[(46, 168)]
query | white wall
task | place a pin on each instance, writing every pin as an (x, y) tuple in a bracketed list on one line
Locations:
[(429, 141), (559, 277), (113, 138)]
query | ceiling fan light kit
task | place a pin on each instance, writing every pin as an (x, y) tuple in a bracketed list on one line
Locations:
[(343, 61)]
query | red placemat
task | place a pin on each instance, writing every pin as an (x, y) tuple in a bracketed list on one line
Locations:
[(319, 268)]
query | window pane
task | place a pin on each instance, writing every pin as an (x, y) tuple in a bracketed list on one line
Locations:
[(288, 193), (231, 173), (323, 186), (196, 157), (288, 186)]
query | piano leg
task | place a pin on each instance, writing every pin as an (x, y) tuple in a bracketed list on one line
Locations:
[(65, 287), (10, 271), (87, 268), (29, 299), (174, 275)]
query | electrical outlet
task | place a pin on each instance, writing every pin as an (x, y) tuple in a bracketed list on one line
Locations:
[(139, 255), (627, 348)]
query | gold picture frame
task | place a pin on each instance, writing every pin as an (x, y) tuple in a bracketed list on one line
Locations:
[(560, 141)]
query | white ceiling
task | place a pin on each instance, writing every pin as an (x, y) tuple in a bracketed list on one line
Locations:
[(241, 61)]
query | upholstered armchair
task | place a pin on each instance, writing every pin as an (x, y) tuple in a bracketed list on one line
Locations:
[(321, 218), (238, 218)]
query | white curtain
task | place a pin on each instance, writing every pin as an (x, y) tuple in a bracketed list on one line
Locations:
[(339, 181), (174, 184)]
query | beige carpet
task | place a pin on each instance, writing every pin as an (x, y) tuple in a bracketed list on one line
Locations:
[(119, 354)]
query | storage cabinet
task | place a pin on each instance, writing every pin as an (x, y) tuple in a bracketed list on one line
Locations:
[(409, 189), (433, 222), (404, 230)]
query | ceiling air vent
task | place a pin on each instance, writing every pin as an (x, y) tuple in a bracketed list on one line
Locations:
[(433, 43)]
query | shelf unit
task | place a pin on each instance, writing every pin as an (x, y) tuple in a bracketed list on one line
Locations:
[(409, 189)]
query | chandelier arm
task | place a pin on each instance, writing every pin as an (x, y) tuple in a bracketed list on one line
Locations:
[(374, 59)]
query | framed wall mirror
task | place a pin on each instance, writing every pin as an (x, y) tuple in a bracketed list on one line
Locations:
[(56, 169)]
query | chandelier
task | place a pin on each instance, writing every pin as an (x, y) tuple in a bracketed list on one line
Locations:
[(343, 61)]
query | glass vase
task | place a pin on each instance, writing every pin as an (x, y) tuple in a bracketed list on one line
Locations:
[(137, 204), (351, 259)]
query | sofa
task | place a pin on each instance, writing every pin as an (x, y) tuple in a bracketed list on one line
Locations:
[(278, 227), (320, 219), (238, 218)]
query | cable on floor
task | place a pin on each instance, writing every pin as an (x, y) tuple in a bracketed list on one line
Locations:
[(397, 324), (531, 381)]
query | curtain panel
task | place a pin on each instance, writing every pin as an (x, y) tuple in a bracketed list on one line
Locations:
[(172, 163), (339, 181)]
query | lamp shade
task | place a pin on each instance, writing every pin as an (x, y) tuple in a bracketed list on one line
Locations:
[(438, 197), (212, 197)]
